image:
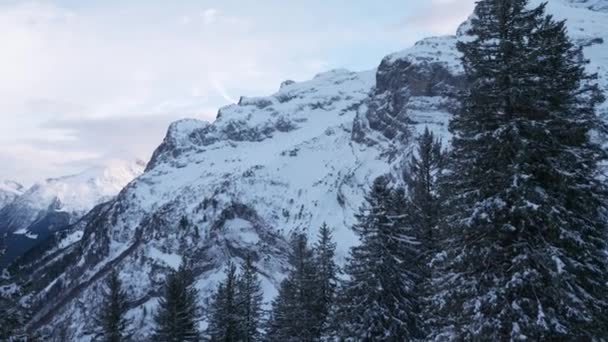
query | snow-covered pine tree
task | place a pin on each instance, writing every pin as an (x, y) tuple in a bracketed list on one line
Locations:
[(279, 326), (249, 302), (423, 170), (293, 311), (527, 228), (112, 324), (378, 302), (325, 250), (224, 312), (423, 213), (177, 315)]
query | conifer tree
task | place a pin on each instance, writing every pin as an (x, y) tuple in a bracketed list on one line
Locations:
[(177, 315), (236, 308), (423, 213), (424, 169), (325, 250), (526, 226), (280, 325), (293, 311), (224, 317), (378, 302), (112, 324), (249, 301)]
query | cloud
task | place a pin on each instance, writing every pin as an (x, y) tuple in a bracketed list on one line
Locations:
[(440, 16), (109, 136), (28, 163), (87, 141), (219, 87)]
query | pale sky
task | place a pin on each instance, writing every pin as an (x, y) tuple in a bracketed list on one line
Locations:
[(86, 81)]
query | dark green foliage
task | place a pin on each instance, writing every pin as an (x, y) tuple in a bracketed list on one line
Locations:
[(526, 230), (378, 302), (224, 314), (184, 223), (423, 213), (424, 204), (293, 316), (236, 308), (301, 311), (12, 319), (249, 302), (112, 325), (177, 315), (325, 250)]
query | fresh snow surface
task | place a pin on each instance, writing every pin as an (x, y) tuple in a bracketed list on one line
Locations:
[(31, 235), (241, 230), (171, 259), (81, 192), (28, 234), (75, 194), (21, 231), (9, 190), (11, 187), (70, 239), (308, 166)]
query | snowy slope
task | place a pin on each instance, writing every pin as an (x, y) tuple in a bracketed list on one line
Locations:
[(266, 167), (595, 5), (55, 203), (9, 190), (74, 194)]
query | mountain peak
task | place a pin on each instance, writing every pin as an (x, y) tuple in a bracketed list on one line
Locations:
[(9, 190), (52, 205), (73, 194), (82, 191), (11, 186)]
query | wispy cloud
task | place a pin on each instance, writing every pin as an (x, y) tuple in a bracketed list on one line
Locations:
[(85, 141), (440, 16), (219, 87)]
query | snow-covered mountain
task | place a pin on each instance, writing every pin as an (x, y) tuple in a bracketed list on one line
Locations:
[(596, 5), (266, 167), (55, 203), (9, 190)]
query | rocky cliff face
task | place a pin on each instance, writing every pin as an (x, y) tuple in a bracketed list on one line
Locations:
[(265, 168), (414, 88)]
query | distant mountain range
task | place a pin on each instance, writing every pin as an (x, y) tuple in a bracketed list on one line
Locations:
[(29, 216)]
